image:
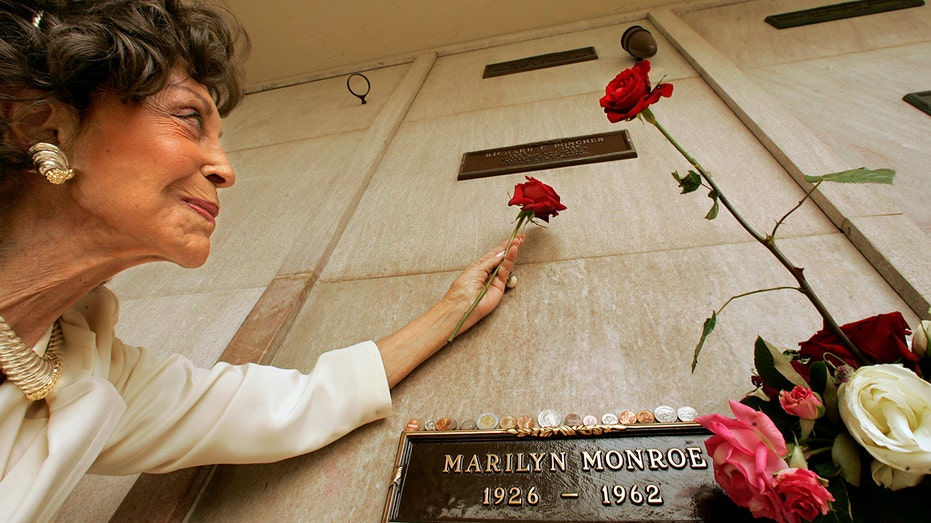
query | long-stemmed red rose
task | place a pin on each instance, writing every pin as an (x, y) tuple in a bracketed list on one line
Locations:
[(629, 96), (536, 200), (630, 93)]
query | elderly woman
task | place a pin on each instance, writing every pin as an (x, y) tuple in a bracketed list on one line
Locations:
[(110, 118)]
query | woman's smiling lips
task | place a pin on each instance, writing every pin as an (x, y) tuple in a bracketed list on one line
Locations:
[(205, 208)]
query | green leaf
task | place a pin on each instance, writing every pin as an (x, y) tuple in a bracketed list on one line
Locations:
[(774, 368), (705, 331), (819, 377), (691, 182), (713, 212), (861, 175), (841, 511), (846, 454)]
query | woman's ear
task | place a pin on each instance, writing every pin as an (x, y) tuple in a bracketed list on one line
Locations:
[(50, 122)]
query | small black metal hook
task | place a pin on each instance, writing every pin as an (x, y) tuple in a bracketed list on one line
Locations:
[(368, 86)]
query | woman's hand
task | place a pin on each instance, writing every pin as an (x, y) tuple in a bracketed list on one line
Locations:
[(466, 288), (404, 350)]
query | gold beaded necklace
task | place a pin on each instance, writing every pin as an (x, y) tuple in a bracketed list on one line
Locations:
[(35, 375)]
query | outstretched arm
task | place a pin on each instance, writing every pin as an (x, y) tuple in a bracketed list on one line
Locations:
[(410, 346)]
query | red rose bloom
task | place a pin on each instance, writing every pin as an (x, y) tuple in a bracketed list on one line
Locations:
[(803, 495), (630, 93), (881, 339), (537, 197)]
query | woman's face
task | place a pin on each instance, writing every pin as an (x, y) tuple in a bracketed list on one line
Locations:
[(148, 174)]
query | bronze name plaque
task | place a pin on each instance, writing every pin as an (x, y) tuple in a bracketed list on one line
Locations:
[(829, 13), (550, 154), (921, 100), (656, 472), (540, 62)]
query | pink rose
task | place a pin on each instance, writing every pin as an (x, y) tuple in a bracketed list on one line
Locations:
[(801, 402), (746, 453), (803, 495)]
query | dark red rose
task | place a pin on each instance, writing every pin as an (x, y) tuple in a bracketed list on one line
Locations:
[(630, 93), (881, 339), (537, 197)]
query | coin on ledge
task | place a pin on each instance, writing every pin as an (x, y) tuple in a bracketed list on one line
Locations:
[(665, 414), (645, 416), (686, 413), (549, 418), (525, 422), (487, 421), (508, 422)]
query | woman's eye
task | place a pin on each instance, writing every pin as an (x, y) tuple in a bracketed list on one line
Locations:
[(192, 116)]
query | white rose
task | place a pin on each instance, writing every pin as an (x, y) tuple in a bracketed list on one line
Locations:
[(893, 479), (887, 409), (920, 338)]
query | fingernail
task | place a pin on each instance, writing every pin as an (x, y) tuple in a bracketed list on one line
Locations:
[(500, 254)]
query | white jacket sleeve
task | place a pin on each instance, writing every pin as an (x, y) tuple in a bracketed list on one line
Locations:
[(180, 416)]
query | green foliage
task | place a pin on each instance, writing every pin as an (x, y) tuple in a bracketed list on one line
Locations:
[(691, 182), (705, 331), (860, 175), (713, 212), (846, 455), (823, 383), (774, 368)]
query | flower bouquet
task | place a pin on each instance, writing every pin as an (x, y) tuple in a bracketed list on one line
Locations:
[(838, 429)]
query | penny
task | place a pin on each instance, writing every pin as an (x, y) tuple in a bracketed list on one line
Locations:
[(525, 422), (412, 425), (665, 414), (549, 418), (645, 416), (467, 424), (589, 420), (487, 421), (572, 420), (627, 418), (508, 422), (686, 413), (429, 425), (445, 424), (609, 419)]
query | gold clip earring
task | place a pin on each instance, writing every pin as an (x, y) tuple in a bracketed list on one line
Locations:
[(51, 162)]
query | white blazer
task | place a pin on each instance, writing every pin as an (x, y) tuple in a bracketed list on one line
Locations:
[(119, 410)]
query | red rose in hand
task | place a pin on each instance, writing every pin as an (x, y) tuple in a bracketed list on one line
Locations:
[(630, 93), (880, 338), (537, 197)]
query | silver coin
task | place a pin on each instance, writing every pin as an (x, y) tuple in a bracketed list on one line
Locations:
[(664, 414), (486, 421), (609, 419), (549, 418), (589, 420), (429, 425), (467, 424), (687, 413)]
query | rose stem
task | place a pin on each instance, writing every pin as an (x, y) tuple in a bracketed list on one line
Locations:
[(768, 241), (520, 221)]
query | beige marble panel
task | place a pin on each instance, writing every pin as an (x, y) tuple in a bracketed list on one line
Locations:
[(617, 207), (588, 335), (865, 120), (456, 84), (750, 42), (280, 189), (308, 110), (208, 321), (95, 498)]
